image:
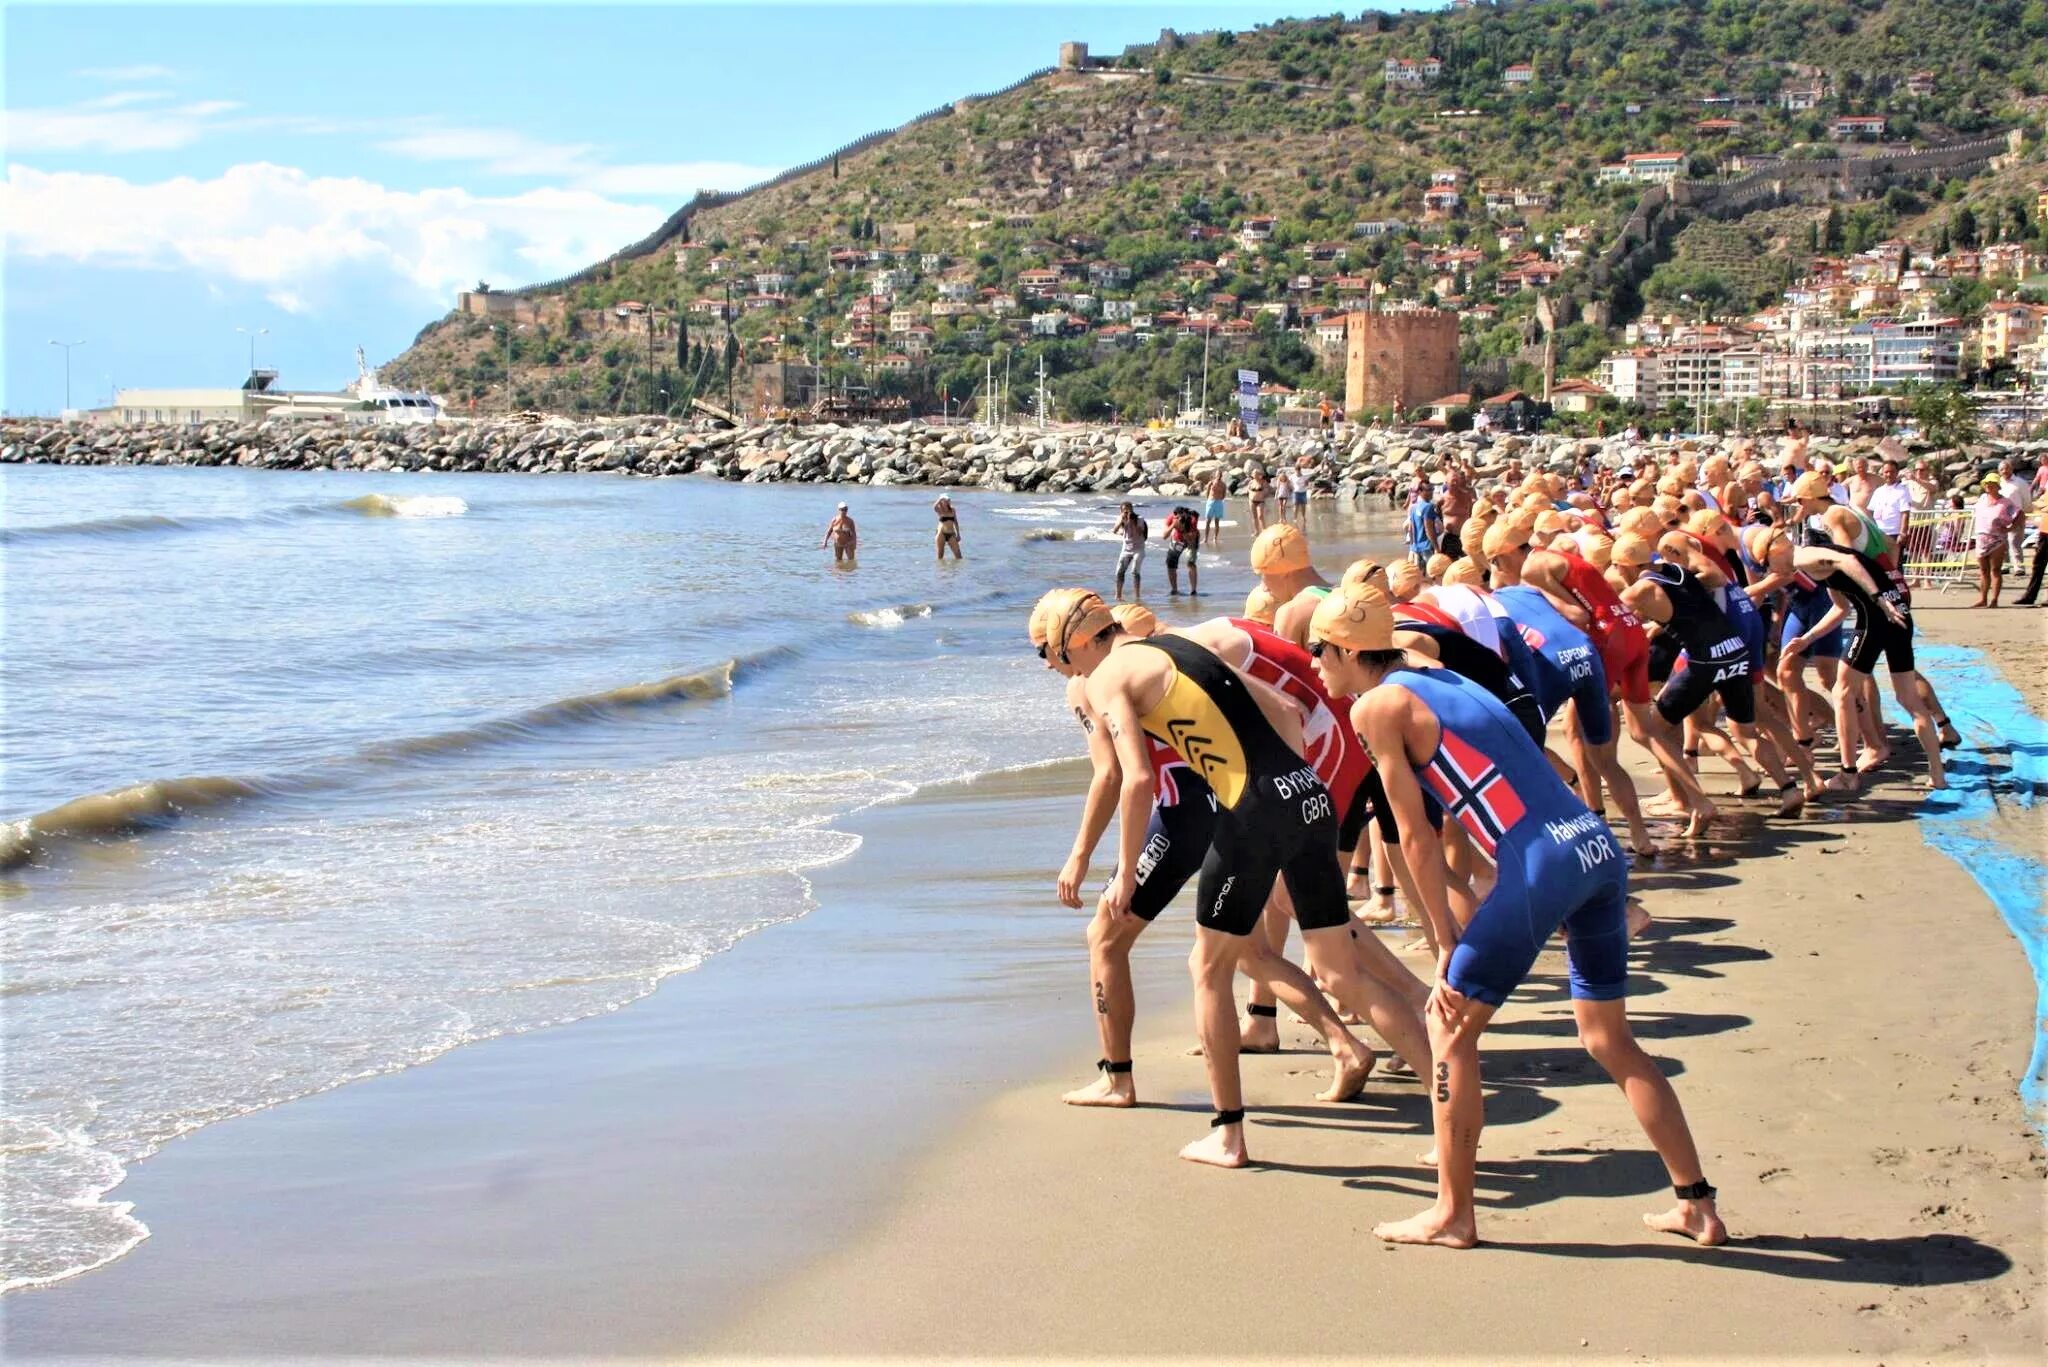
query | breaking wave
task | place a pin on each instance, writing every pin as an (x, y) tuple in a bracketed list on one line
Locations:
[(158, 802), (150, 524), (890, 617)]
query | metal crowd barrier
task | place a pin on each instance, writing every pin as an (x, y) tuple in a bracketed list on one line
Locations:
[(1938, 549)]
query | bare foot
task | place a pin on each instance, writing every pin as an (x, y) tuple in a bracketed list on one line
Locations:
[(1258, 1035), (1111, 1089), (1931, 784), (1791, 801), (1222, 1147), (1696, 1220), (1352, 1072), (1871, 759), (1378, 914), (1702, 816), (1638, 918), (1427, 1160), (1950, 737), (1843, 783), (1433, 1226)]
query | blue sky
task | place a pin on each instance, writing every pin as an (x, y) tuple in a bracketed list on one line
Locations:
[(336, 174)]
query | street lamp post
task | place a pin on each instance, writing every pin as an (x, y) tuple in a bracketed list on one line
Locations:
[(254, 333), (508, 331), (67, 367)]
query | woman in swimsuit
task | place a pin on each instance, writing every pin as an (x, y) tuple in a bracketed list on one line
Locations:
[(1258, 496), (949, 527)]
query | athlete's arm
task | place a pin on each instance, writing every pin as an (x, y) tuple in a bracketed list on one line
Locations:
[(1382, 719), (1778, 566), (1100, 803), (1545, 573), (1837, 610), (1134, 802)]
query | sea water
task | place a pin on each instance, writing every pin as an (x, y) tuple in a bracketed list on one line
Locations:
[(313, 776)]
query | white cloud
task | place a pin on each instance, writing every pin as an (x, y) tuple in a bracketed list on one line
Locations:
[(122, 75), (300, 238), (676, 180), (507, 153), (94, 127)]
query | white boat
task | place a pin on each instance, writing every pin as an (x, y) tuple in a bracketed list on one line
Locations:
[(392, 405)]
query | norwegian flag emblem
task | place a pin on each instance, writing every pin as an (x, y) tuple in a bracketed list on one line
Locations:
[(1473, 791)]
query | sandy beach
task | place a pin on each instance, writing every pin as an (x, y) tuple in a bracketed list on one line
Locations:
[(1843, 1010), (842, 1137)]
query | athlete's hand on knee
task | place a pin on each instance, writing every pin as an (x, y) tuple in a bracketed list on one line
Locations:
[(1073, 874), (1446, 1003)]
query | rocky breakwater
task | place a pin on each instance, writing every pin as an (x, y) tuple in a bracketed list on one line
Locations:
[(1145, 463), (1093, 459)]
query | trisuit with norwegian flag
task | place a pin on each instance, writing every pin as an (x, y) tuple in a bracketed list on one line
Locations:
[(1557, 862)]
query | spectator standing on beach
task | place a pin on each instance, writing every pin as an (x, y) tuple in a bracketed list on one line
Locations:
[(1991, 518), (1425, 528), (1257, 491), (1457, 508), (1283, 495), (1135, 531), (1216, 493), (1889, 504), (842, 536), (2019, 492), (1183, 538), (2027, 599)]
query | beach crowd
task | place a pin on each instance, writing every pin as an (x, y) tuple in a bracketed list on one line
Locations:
[(1437, 738)]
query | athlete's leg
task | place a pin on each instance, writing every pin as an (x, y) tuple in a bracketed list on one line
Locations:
[(1457, 1113), (1212, 964), (1924, 725), (1334, 958), (1116, 1008), (1649, 730), (1277, 977), (1259, 1032), (1603, 1029)]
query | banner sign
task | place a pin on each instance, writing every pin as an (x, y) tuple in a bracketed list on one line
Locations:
[(1248, 401)]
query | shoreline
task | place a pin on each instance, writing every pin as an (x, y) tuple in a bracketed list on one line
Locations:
[(497, 1198), (1864, 1123)]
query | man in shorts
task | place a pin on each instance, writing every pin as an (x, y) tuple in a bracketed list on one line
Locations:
[(1212, 513), (1556, 866)]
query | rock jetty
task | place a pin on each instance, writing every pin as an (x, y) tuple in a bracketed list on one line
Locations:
[(1167, 464)]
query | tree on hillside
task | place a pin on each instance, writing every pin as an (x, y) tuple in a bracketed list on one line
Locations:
[(1946, 419), (1965, 227)]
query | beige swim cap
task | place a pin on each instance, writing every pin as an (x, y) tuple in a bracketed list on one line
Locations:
[(1465, 571), (1366, 571), (1404, 580), (1280, 550), (1504, 536), (1639, 522), (1705, 522), (1260, 606), (1812, 484), (1135, 618), (1438, 563), (1064, 616), (1355, 617), (1632, 550), (1597, 547)]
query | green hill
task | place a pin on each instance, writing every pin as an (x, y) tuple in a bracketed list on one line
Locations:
[(1149, 162)]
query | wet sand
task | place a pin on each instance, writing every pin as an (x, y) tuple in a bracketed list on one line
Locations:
[(1845, 1016), (612, 1187)]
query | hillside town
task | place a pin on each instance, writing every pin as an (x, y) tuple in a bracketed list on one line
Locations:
[(1781, 223)]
